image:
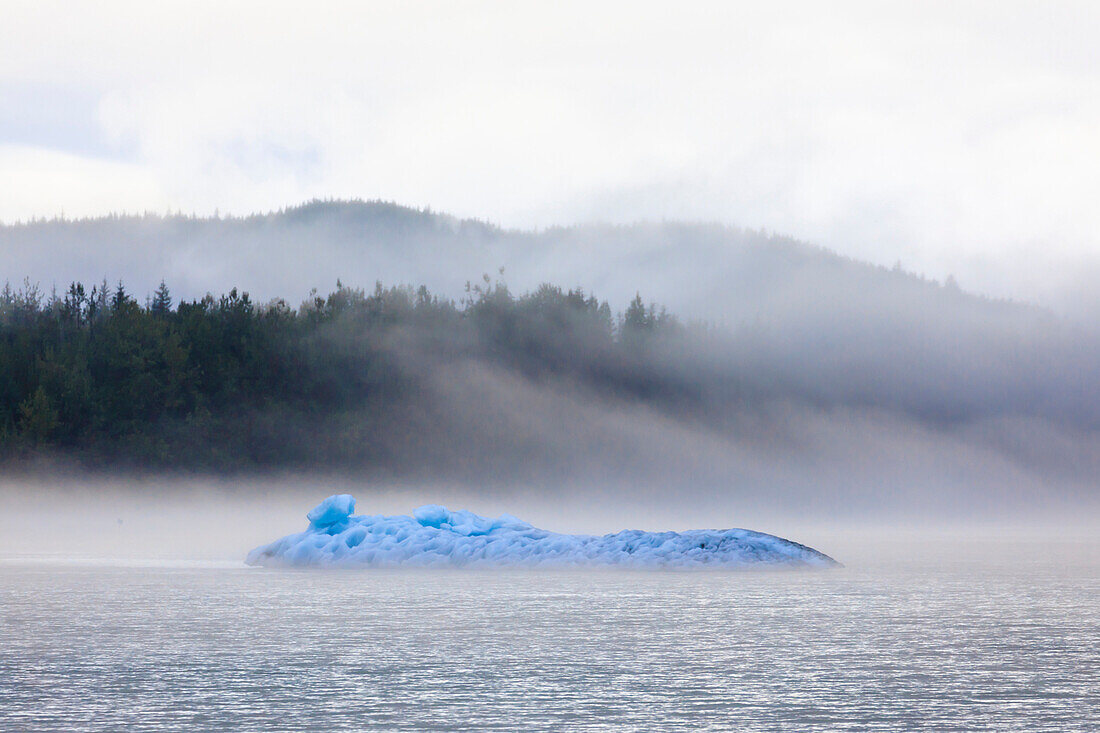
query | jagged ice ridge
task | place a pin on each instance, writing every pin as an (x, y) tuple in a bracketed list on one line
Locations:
[(434, 536)]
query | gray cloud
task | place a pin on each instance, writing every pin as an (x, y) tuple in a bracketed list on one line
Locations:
[(949, 137)]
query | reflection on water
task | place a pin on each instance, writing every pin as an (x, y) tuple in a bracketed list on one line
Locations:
[(903, 646)]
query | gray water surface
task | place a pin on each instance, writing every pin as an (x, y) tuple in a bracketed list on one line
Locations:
[(966, 644)]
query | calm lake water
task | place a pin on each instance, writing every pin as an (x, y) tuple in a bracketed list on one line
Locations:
[(938, 641)]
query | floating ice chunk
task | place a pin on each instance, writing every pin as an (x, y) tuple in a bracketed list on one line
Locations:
[(332, 510), (435, 536)]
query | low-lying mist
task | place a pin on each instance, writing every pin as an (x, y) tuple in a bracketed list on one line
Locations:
[(172, 520)]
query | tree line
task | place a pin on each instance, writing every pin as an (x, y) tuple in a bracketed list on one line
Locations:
[(225, 382)]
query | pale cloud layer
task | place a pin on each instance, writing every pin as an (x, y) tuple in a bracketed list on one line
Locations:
[(956, 137)]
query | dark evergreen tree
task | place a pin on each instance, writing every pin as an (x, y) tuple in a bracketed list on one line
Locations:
[(161, 304)]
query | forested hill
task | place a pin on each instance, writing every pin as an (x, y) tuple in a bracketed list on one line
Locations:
[(401, 381), (777, 356)]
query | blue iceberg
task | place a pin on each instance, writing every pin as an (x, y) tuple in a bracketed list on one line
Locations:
[(434, 536)]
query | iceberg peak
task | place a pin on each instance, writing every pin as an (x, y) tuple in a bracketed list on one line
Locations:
[(432, 515), (333, 510), (436, 536)]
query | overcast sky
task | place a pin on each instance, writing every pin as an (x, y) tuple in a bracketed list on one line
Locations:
[(956, 137)]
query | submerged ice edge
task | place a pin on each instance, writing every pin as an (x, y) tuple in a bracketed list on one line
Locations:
[(435, 536)]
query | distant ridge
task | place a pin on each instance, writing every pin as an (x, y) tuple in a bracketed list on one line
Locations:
[(310, 245)]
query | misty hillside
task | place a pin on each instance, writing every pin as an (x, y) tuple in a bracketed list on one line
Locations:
[(824, 326), (749, 363), (720, 274)]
